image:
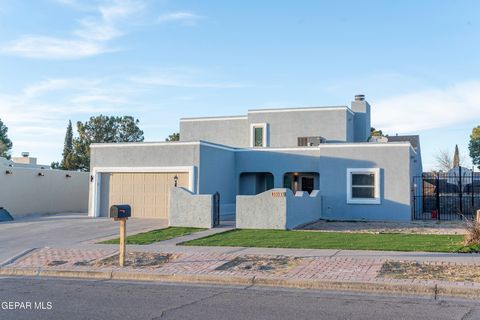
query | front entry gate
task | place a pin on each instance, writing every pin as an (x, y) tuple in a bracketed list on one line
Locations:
[(216, 209), (446, 196)]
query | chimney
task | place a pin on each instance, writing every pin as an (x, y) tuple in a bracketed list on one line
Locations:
[(361, 119)]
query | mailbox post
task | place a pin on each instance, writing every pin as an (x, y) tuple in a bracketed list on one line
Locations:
[(121, 213)]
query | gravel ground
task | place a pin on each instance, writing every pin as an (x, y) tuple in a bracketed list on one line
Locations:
[(418, 227)]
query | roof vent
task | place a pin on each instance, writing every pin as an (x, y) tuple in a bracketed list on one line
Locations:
[(25, 154), (359, 97)]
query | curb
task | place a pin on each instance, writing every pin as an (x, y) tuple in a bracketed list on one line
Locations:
[(392, 288)]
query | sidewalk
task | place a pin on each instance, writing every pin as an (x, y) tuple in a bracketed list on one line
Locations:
[(299, 268)]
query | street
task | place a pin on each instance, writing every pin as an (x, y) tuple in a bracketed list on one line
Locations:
[(96, 299)]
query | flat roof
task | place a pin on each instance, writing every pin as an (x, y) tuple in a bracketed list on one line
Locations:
[(243, 117)]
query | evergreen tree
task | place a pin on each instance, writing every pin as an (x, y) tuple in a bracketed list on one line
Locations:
[(67, 148), (474, 146), (5, 142), (173, 137), (456, 157)]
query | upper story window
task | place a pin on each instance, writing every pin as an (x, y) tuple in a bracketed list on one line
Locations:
[(363, 186), (259, 135)]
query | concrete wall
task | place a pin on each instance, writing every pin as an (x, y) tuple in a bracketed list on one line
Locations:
[(217, 174), (24, 192), (278, 209), (190, 210), (229, 131)]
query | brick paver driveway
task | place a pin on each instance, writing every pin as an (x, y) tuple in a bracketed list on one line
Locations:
[(62, 230)]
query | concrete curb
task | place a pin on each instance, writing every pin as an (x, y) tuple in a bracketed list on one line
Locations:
[(16, 257), (392, 288)]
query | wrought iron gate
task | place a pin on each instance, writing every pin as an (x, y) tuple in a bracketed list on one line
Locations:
[(446, 196), (216, 209)]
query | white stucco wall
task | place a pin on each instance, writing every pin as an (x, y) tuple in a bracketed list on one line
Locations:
[(24, 192)]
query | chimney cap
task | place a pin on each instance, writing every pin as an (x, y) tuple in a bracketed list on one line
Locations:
[(25, 154), (359, 97)]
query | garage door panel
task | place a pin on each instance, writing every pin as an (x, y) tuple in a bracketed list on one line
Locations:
[(146, 193)]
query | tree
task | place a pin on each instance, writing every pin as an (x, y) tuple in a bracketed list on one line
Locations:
[(456, 157), (377, 133), (445, 161), (66, 164), (173, 137), (101, 129), (5, 142), (474, 146), (55, 165)]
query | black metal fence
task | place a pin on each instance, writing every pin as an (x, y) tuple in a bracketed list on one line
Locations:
[(446, 196)]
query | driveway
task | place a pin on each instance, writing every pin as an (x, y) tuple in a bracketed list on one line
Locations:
[(62, 230)]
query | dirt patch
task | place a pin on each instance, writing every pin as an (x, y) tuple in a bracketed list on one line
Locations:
[(136, 260), (55, 263), (430, 271), (275, 264)]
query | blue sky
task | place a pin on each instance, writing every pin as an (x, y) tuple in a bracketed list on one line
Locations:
[(417, 62)]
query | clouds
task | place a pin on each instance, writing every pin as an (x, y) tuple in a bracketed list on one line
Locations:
[(428, 109), (100, 25), (183, 17)]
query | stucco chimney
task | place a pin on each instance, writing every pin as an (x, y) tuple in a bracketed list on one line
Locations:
[(361, 109)]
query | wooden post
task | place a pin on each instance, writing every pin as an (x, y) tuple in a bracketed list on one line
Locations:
[(123, 232), (478, 216)]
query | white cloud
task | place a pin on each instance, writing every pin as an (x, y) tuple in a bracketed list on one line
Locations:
[(89, 39), (428, 109), (183, 17), (182, 78)]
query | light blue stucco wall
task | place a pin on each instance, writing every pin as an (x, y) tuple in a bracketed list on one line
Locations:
[(233, 132), (395, 181), (217, 174)]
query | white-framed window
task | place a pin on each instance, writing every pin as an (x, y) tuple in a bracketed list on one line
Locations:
[(258, 135), (363, 186)]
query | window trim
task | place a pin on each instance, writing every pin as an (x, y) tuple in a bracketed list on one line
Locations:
[(264, 127), (376, 173)]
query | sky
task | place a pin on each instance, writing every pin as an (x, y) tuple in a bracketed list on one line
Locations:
[(417, 62)]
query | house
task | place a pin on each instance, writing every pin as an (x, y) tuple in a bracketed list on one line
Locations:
[(294, 154)]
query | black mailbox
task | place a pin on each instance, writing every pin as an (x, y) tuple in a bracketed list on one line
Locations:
[(120, 211)]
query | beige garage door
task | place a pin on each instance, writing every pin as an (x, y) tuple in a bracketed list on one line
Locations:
[(146, 193)]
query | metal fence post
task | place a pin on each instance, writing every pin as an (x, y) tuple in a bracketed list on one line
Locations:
[(460, 189), (437, 194)]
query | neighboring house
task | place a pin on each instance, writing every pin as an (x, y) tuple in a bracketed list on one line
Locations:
[(28, 188), (301, 149)]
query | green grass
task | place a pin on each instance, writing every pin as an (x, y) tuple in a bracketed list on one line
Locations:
[(155, 235), (332, 240)]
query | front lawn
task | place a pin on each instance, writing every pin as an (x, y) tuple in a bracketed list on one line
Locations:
[(332, 240), (155, 235)]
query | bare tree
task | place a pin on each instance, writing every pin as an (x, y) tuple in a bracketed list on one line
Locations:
[(445, 162)]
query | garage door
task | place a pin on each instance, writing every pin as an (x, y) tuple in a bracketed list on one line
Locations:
[(146, 193)]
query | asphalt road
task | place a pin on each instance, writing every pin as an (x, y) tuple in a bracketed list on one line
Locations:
[(90, 299)]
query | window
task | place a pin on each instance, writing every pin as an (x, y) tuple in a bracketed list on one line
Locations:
[(258, 135), (363, 186)]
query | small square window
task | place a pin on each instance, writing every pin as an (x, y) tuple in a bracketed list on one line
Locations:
[(258, 135), (363, 186)]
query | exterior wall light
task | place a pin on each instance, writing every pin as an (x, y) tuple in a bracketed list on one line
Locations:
[(8, 172), (91, 178), (41, 174), (175, 180), (68, 176)]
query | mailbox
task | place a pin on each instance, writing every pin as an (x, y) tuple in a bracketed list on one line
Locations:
[(120, 211)]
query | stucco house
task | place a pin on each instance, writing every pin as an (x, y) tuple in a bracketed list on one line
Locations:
[(317, 162)]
